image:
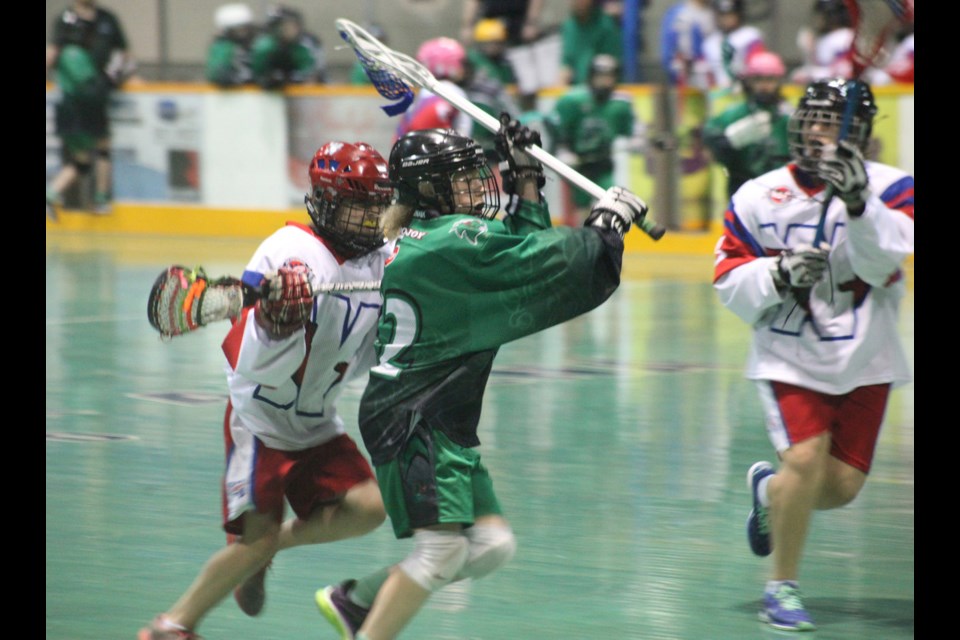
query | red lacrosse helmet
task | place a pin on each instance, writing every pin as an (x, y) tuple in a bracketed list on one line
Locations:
[(350, 189)]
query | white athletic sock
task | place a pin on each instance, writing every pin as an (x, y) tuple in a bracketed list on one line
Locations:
[(762, 491)]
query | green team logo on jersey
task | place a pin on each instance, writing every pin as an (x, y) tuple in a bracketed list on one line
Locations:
[(469, 229)]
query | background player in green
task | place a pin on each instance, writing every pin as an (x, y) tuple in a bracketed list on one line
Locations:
[(90, 57), (461, 283), (586, 121), (749, 138)]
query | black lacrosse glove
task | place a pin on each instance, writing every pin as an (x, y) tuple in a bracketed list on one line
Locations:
[(517, 166)]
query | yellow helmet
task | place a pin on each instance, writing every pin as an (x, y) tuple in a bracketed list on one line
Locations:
[(490, 30)]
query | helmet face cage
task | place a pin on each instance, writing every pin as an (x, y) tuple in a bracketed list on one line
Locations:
[(350, 190), (819, 117), (443, 171)]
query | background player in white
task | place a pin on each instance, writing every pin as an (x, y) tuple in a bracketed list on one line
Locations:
[(289, 357), (825, 351)]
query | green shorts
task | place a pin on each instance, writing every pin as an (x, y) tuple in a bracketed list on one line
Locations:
[(435, 481)]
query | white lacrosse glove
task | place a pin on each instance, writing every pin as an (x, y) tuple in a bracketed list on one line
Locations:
[(287, 301), (842, 166), (800, 267), (617, 210), (749, 130)]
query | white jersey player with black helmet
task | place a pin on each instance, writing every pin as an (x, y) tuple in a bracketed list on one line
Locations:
[(826, 351), (289, 357)]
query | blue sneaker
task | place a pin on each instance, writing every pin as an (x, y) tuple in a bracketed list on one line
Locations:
[(784, 610), (758, 522)]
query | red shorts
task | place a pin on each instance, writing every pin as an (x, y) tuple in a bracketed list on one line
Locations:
[(853, 419), (306, 479)]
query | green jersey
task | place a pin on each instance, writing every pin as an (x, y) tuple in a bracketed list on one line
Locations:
[(276, 63), (456, 289), (228, 63), (754, 159), (588, 128)]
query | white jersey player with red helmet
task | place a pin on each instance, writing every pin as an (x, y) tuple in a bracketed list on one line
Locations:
[(826, 350), (289, 356)]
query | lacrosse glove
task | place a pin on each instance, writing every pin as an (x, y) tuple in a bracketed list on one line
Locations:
[(800, 267), (618, 209), (287, 300), (517, 166), (842, 166)]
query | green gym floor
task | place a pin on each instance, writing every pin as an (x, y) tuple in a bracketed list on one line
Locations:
[(619, 444)]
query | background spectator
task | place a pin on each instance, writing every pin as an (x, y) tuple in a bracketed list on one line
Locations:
[(587, 31), (750, 138), (228, 57), (285, 53), (90, 57)]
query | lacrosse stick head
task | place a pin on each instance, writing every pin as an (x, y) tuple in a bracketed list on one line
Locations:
[(819, 119), (182, 300), (441, 171), (390, 72), (350, 189)]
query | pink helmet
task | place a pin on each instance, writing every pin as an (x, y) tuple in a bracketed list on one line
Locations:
[(765, 63), (443, 57)]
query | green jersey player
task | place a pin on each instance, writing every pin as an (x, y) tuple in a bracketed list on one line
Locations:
[(460, 284)]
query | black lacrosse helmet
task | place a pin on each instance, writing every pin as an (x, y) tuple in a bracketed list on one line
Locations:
[(824, 103), (429, 167)]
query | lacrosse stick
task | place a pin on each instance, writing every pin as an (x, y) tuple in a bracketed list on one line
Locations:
[(873, 22), (182, 299), (393, 74)]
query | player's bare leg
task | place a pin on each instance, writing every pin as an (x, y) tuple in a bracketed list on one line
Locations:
[(843, 483), (794, 492), (226, 569), (359, 512)]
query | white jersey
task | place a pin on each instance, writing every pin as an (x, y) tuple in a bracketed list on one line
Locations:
[(284, 391), (846, 336), (745, 40)]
